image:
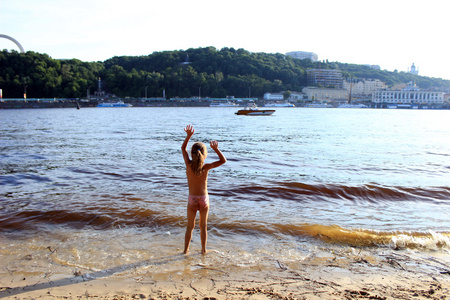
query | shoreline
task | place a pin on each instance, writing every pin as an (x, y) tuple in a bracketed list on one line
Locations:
[(366, 274), (37, 103)]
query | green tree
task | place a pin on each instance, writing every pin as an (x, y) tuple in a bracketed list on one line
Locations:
[(286, 95)]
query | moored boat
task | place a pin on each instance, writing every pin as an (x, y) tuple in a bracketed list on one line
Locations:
[(223, 104), (114, 104), (319, 105), (349, 105), (279, 104)]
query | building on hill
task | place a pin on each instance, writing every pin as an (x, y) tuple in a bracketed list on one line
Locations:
[(413, 70), (325, 78), (375, 67), (303, 55)]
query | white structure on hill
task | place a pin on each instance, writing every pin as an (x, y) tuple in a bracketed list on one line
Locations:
[(303, 55), (413, 70)]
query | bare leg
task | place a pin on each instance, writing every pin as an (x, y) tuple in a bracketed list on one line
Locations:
[(189, 228), (203, 227)]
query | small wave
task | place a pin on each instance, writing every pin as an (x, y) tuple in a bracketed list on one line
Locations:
[(97, 219), (439, 154), (335, 234), (317, 192), (117, 218), (371, 238), (431, 241), (20, 179)]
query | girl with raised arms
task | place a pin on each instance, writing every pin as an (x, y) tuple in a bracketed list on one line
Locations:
[(197, 177)]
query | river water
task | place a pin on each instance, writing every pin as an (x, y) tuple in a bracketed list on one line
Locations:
[(107, 186)]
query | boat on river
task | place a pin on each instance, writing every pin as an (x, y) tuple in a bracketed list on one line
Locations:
[(223, 104), (349, 105), (319, 105), (279, 104), (114, 104), (253, 110)]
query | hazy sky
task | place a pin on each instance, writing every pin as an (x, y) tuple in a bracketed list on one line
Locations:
[(393, 34)]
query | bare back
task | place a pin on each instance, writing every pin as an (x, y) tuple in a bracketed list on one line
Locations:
[(198, 184)]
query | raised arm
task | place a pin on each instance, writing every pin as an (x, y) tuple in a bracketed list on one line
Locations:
[(189, 132), (215, 146)]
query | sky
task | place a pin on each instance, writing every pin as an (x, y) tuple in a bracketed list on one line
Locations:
[(393, 34)]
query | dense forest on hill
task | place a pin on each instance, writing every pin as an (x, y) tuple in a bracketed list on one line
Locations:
[(206, 71)]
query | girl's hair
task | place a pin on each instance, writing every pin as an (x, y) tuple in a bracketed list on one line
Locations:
[(198, 153)]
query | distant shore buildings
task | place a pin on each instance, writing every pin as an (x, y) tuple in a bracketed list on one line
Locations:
[(303, 55)]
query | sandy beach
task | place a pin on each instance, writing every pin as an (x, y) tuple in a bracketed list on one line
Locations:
[(345, 275)]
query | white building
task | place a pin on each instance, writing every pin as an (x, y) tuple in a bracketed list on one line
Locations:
[(408, 97), (376, 67), (303, 55), (273, 96), (297, 96), (280, 96), (324, 94), (364, 87)]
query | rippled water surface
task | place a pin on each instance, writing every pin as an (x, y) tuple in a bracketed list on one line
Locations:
[(348, 176)]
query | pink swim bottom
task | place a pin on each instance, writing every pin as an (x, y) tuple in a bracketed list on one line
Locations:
[(198, 202)]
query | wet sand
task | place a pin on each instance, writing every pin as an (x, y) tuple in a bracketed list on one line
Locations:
[(363, 275)]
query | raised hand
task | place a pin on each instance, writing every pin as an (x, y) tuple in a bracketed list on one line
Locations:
[(214, 145), (189, 130)]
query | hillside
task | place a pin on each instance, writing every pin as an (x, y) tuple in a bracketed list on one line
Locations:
[(184, 73)]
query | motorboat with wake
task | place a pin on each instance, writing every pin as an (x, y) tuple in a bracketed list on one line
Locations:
[(253, 110)]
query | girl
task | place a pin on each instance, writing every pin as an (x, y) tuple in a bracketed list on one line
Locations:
[(197, 176)]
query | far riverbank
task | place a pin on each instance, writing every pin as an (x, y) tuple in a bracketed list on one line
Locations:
[(185, 102)]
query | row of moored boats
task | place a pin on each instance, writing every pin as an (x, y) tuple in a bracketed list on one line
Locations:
[(250, 110)]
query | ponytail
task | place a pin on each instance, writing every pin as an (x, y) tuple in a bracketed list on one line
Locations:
[(198, 153)]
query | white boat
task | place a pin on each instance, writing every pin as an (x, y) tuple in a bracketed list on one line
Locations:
[(279, 104), (253, 110), (114, 104), (223, 104), (347, 105), (319, 105)]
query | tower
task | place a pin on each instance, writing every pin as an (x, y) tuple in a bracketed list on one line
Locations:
[(414, 70), (99, 89)]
